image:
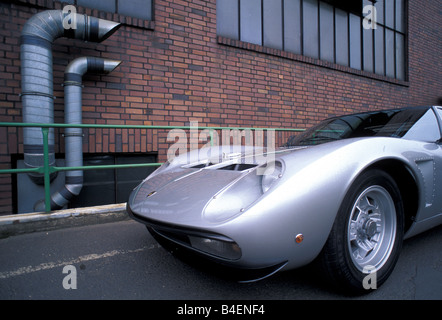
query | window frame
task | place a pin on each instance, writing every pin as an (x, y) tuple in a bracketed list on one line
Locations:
[(358, 59), (118, 186), (383, 28)]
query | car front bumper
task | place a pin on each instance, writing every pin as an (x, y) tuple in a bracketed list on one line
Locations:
[(214, 251)]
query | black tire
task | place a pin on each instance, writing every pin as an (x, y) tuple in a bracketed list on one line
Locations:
[(346, 256)]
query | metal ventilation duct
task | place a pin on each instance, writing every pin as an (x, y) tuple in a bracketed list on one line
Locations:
[(37, 37), (74, 136)]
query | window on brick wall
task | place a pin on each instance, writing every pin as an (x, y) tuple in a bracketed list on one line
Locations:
[(111, 186), (141, 9), (331, 30)]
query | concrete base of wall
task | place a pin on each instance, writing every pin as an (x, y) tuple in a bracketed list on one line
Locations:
[(11, 225)]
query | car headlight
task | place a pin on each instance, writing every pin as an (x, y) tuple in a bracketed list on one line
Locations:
[(236, 198), (272, 173)]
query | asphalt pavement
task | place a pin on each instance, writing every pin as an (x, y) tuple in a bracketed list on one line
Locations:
[(107, 259)]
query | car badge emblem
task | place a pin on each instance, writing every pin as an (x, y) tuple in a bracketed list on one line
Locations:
[(151, 194)]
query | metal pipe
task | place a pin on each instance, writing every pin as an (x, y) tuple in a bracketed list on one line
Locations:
[(74, 136), (37, 36)]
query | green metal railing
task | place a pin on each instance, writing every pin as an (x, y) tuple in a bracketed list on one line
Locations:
[(47, 169)]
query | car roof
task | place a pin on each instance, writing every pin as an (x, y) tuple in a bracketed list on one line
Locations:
[(382, 110)]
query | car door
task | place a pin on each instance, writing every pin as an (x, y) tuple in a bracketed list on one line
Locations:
[(428, 129), (438, 164)]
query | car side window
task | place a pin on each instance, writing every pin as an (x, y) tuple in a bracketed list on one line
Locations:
[(439, 111), (425, 129)]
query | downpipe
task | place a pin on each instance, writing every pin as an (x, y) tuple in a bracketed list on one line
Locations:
[(37, 96), (74, 136)]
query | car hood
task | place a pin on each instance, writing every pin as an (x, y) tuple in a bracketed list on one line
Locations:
[(179, 192)]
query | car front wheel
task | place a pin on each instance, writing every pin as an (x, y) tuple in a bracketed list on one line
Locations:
[(366, 238)]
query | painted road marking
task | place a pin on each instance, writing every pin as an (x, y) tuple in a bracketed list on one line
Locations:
[(58, 264)]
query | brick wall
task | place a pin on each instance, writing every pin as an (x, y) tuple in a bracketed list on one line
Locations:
[(176, 70)]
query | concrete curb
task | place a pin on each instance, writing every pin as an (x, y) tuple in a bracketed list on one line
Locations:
[(11, 225)]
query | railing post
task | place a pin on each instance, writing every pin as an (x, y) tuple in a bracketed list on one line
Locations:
[(211, 137), (46, 169)]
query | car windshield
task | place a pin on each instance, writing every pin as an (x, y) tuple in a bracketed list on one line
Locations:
[(413, 123)]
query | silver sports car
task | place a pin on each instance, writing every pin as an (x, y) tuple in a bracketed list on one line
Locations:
[(344, 194)]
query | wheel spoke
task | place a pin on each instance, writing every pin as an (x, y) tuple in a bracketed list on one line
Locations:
[(358, 211), (376, 216), (353, 236), (364, 203), (364, 248)]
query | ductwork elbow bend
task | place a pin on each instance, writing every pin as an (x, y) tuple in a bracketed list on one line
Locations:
[(50, 24), (60, 198), (80, 66)]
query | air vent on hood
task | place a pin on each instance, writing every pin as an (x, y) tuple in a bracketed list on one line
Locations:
[(230, 167), (202, 165), (238, 167)]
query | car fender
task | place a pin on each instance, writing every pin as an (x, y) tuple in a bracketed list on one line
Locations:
[(308, 197)]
